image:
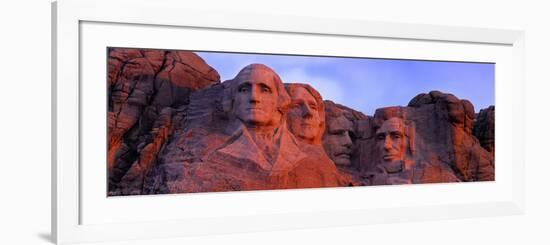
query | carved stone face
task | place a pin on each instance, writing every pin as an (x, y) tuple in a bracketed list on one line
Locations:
[(303, 116), (255, 99), (391, 140), (337, 141)]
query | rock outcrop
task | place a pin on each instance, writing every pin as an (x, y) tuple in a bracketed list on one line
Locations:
[(145, 89), (443, 126), (172, 128), (484, 128)]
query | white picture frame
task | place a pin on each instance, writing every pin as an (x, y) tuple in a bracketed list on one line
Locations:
[(68, 17)]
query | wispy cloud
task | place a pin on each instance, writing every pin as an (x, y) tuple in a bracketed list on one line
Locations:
[(329, 89)]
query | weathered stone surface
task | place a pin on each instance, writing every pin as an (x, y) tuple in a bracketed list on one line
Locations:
[(239, 165), (484, 128), (443, 137), (306, 113), (174, 128), (344, 128), (141, 85), (132, 181), (227, 146), (396, 157), (307, 121), (420, 173)]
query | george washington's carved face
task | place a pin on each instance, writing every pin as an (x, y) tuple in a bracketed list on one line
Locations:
[(391, 140), (255, 98), (304, 117)]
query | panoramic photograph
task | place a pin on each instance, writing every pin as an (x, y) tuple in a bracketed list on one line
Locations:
[(201, 121)]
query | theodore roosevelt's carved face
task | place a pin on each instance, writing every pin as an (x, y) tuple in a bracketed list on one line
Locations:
[(337, 141)]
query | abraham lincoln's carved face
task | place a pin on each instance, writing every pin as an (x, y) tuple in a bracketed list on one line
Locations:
[(391, 140)]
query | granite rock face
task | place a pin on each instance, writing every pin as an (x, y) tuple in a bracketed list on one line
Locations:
[(174, 128), (484, 128), (440, 137), (146, 88), (217, 151), (345, 128)]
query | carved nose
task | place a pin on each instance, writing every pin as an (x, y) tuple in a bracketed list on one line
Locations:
[(387, 143), (347, 140), (308, 112), (253, 96)]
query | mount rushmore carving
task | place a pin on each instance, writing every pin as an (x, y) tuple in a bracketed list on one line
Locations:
[(174, 127)]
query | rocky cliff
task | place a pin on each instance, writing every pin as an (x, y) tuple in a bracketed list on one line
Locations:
[(169, 132), (148, 91)]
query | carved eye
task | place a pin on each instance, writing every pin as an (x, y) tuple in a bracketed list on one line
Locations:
[(243, 89), (294, 105), (396, 136), (380, 137), (313, 106), (266, 89)]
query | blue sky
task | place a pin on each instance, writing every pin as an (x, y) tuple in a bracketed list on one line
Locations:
[(367, 84)]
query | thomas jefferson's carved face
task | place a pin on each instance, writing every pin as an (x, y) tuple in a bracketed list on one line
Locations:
[(391, 140), (255, 99), (337, 141), (303, 115)]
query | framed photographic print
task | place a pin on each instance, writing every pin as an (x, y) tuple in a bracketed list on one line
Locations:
[(172, 125)]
